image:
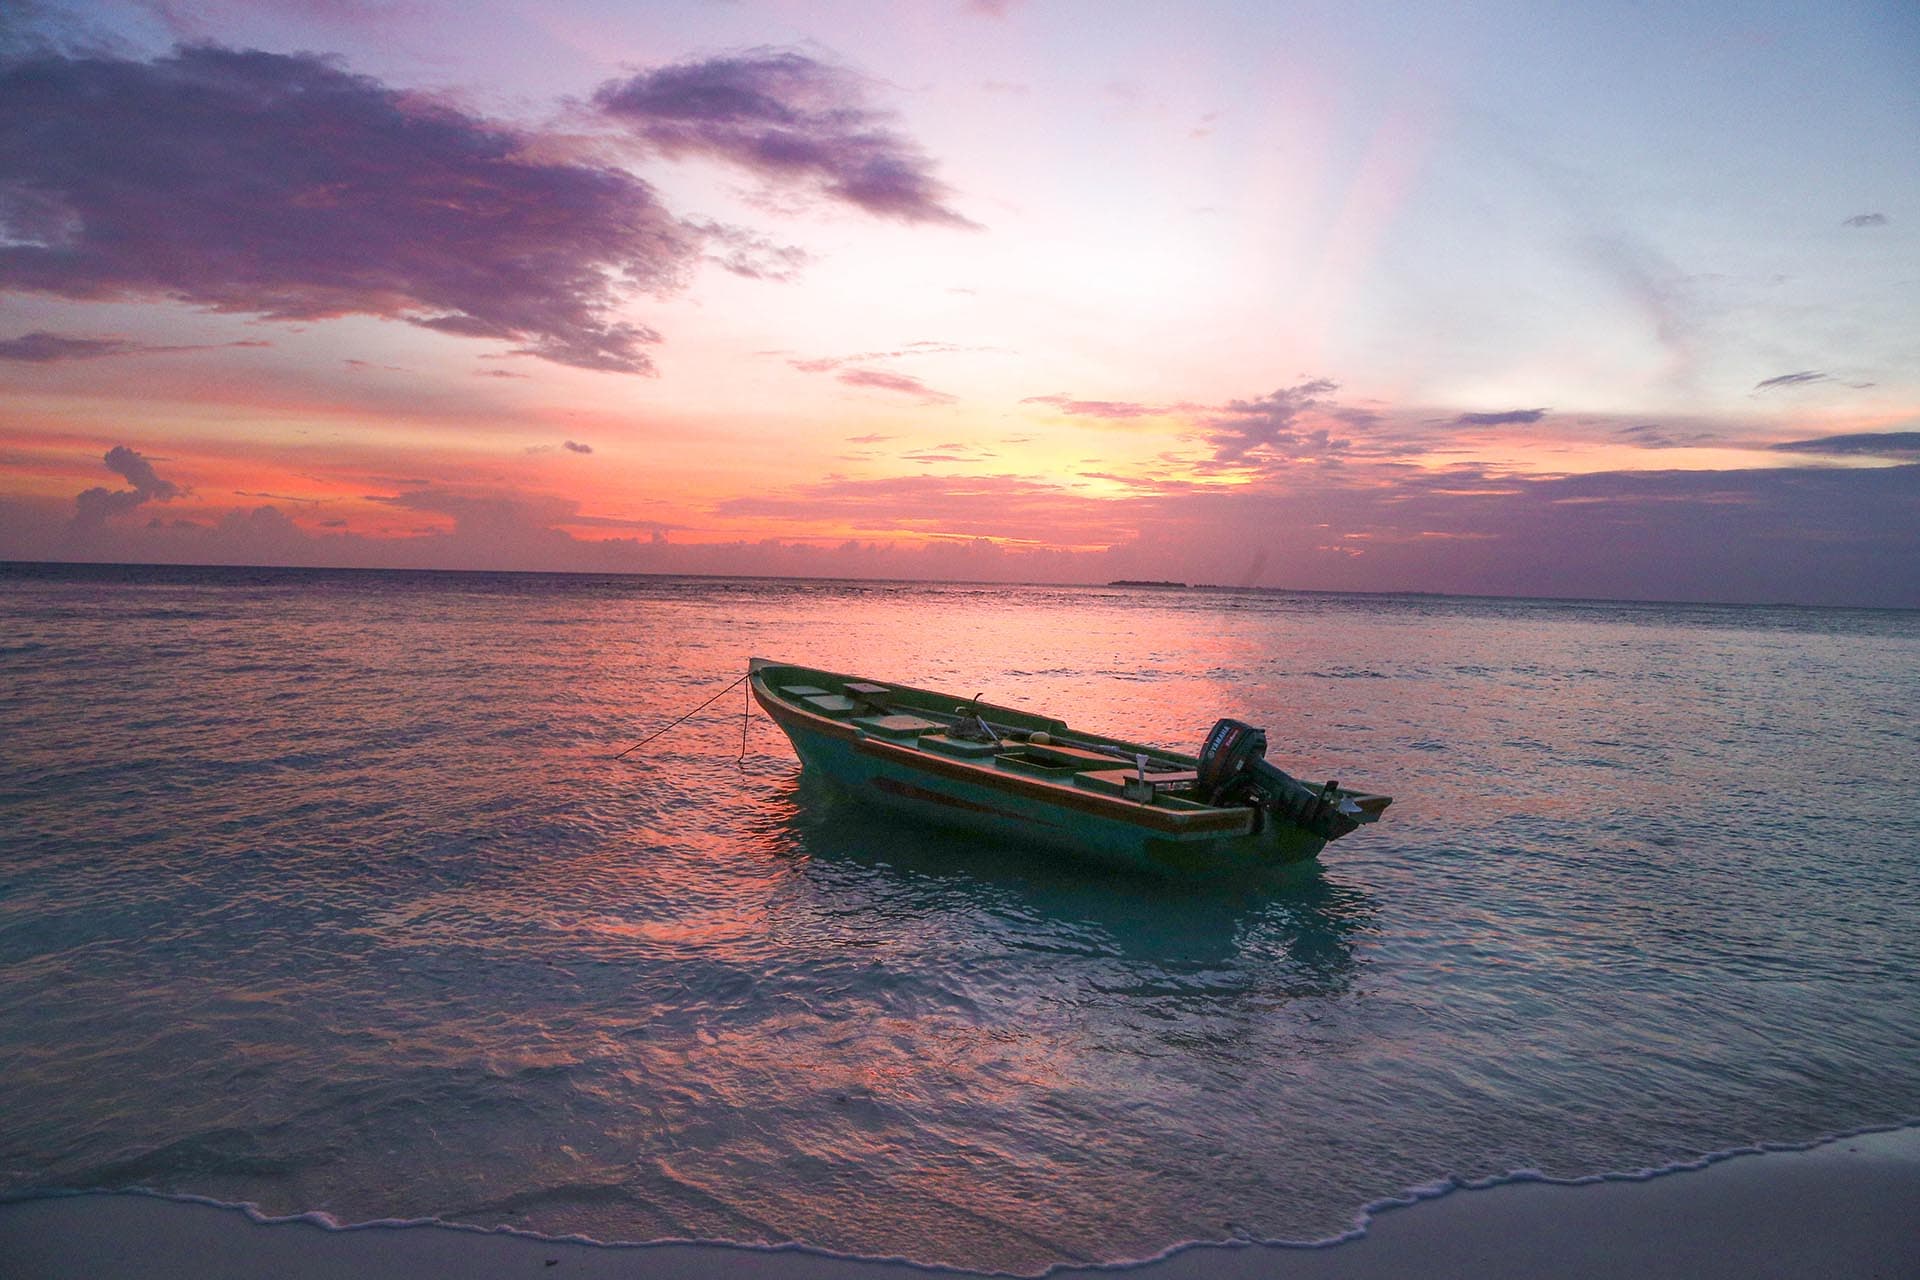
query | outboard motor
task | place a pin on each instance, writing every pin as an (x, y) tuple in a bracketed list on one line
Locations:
[(1233, 769), (1232, 748)]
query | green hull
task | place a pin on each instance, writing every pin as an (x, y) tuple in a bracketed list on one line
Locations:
[(890, 747)]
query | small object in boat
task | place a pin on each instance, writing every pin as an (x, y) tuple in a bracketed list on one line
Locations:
[(1139, 787)]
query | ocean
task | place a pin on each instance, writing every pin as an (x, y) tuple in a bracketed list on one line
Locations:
[(325, 892)]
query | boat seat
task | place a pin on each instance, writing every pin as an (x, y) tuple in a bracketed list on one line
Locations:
[(896, 726), (802, 691), (871, 697), (964, 748), (1077, 758), (832, 704), (1116, 780)]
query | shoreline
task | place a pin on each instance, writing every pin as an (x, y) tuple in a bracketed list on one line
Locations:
[(1842, 1208)]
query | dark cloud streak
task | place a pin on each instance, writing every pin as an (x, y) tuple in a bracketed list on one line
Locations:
[(1876, 444), (1504, 418), (41, 347), (1799, 379)]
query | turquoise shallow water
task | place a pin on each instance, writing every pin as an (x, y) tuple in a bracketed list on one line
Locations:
[(322, 892)]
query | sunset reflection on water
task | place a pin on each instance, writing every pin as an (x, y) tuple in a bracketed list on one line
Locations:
[(326, 892)]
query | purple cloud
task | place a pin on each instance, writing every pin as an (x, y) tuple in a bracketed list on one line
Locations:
[(139, 473), (511, 522), (574, 447), (1260, 426), (282, 186), (94, 506), (788, 119), (483, 510)]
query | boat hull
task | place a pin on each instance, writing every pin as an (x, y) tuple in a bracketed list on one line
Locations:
[(912, 784)]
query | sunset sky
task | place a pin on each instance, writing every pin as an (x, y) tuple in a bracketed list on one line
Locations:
[(1599, 300)]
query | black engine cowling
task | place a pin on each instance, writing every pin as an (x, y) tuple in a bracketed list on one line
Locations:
[(1232, 748), (1233, 769)]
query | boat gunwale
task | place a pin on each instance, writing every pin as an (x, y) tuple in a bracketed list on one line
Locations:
[(1209, 822)]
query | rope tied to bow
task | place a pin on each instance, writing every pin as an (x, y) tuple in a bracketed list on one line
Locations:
[(691, 714)]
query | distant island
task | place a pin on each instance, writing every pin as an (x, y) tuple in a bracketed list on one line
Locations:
[(1137, 582)]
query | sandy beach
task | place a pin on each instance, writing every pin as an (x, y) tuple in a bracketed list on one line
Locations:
[(1842, 1209)]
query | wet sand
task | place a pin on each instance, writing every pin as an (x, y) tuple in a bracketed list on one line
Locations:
[(1849, 1208)]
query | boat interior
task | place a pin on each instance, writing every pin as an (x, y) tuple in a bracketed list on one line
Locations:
[(1001, 738)]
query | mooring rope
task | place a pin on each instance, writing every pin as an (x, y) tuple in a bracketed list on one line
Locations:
[(691, 714), (746, 714)]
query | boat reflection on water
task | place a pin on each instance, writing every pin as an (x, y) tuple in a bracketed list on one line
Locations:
[(1293, 923)]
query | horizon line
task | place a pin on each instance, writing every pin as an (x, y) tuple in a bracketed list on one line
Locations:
[(1158, 588)]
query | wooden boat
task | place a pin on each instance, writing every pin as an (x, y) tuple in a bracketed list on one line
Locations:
[(1021, 777)]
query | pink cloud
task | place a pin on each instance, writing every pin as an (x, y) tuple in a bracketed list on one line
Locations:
[(1112, 409), (881, 380)]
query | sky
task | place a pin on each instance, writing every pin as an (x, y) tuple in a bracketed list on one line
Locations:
[(1600, 300)]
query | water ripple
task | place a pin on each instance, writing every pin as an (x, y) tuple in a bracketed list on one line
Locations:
[(320, 891)]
